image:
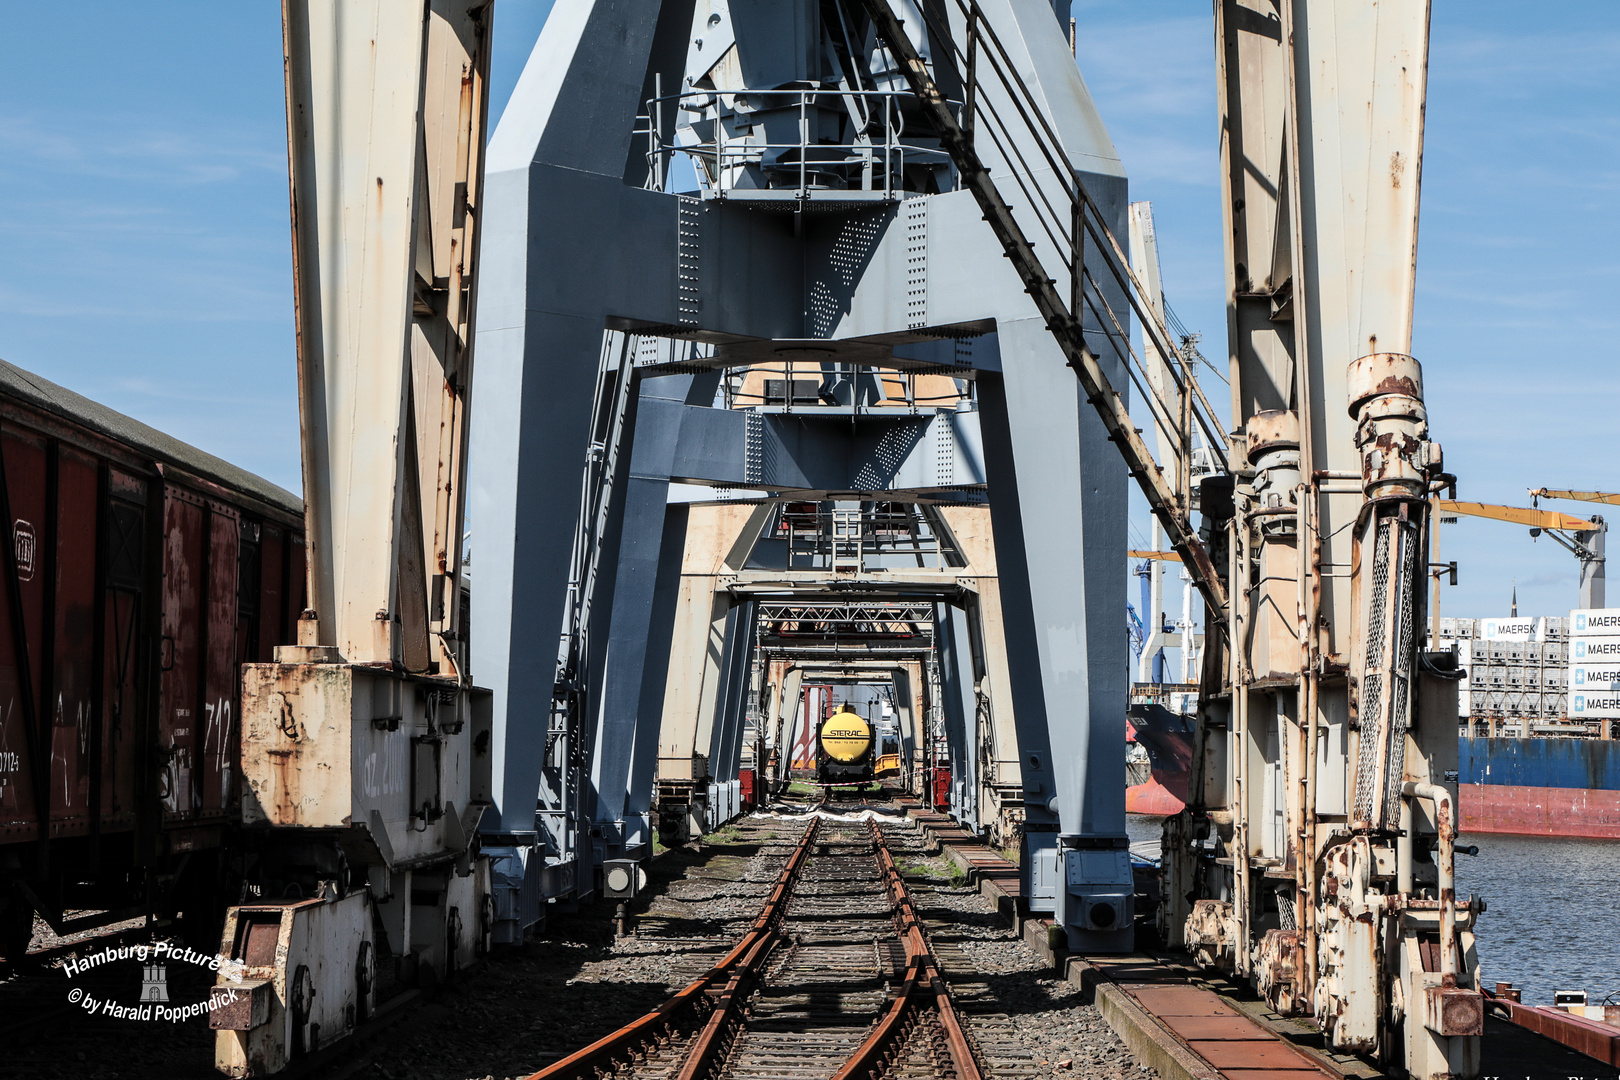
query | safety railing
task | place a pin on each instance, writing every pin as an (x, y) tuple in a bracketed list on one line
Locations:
[(1071, 222), (730, 162), (822, 537)]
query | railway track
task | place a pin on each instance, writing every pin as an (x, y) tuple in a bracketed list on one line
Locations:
[(836, 978)]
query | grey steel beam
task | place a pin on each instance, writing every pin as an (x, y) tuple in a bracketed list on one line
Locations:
[(583, 249), (814, 455), (730, 722), (564, 141), (628, 591), (957, 682), (908, 690)]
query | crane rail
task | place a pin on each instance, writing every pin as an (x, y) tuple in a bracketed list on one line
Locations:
[(918, 1027), (694, 1002)]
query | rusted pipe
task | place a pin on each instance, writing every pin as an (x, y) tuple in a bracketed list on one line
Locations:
[(1304, 713), (1445, 817), (1240, 593), (1403, 848)]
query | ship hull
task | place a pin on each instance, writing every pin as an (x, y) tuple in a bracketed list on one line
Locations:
[(1167, 737), (1540, 787)]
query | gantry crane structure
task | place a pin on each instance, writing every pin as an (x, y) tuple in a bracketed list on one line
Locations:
[(1326, 756), (1327, 741), (365, 745), (889, 193)]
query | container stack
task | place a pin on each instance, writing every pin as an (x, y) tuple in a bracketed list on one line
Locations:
[(1517, 675)]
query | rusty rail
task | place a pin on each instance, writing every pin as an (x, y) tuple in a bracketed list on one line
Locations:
[(715, 1000), (924, 987)]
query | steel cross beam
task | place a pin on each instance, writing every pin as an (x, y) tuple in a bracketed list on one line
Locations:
[(1064, 324), (1608, 497)]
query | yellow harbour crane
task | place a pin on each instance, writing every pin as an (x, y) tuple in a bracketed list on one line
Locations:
[(1612, 498), (1584, 538)]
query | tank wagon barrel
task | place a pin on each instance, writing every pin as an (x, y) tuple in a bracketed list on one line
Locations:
[(844, 749)]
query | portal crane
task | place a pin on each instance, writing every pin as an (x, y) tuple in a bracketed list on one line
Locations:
[(1584, 539), (365, 746), (1302, 863), (1314, 549)]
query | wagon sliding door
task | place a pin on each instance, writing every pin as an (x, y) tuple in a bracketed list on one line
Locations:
[(197, 729), (67, 716), (24, 749)]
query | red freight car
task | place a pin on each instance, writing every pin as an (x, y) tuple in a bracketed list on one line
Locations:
[(140, 574)]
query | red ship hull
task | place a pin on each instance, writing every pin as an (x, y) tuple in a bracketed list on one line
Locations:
[(1167, 738), (1588, 813)]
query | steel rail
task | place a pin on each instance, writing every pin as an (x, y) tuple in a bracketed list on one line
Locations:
[(714, 999), (924, 986), (1063, 324)]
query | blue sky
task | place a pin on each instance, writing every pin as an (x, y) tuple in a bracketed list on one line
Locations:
[(144, 235)]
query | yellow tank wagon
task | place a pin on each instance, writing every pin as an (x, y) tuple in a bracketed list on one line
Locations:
[(844, 748)]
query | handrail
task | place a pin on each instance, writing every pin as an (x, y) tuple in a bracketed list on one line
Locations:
[(1037, 124), (888, 154)]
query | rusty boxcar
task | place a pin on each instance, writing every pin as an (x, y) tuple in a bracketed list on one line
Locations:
[(139, 575)]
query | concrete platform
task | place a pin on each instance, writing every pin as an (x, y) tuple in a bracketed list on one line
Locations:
[(1188, 1026)]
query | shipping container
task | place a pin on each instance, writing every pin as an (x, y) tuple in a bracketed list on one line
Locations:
[(141, 573)]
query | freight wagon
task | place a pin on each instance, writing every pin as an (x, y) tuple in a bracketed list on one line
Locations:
[(140, 574)]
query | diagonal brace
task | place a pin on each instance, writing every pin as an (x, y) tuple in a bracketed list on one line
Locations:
[(1064, 325)]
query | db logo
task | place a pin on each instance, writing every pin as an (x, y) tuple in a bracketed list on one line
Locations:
[(23, 543)]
